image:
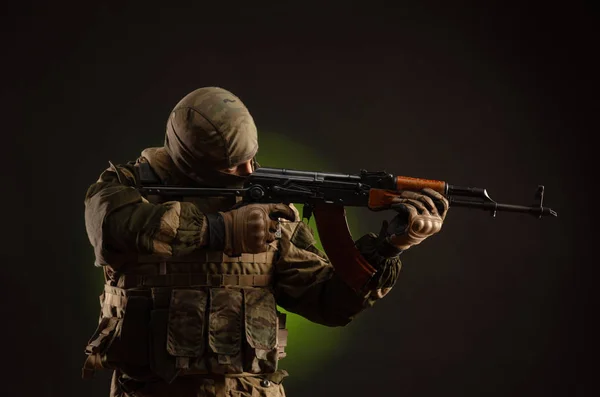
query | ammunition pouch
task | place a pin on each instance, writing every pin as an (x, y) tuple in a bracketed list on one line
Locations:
[(215, 330), (120, 341), (166, 319)]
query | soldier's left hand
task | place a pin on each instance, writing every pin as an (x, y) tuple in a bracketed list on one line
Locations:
[(420, 215)]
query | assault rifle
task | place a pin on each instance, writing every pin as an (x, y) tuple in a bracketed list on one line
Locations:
[(327, 195), (375, 190)]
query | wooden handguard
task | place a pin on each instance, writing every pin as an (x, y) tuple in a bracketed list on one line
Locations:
[(416, 184), (380, 199), (339, 246)]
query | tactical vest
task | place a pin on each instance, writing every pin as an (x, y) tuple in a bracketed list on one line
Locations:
[(205, 313)]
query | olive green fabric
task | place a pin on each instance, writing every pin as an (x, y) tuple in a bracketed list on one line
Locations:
[(309, 286), (176, 318), (194, 386), (121, 223), (388, 267), (195, 330)]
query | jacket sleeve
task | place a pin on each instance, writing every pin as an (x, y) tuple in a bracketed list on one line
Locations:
[(306, 282), (121, 223)]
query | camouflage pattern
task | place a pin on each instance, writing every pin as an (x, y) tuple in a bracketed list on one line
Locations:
[(389, 267), (195, 386), (210, 129), (171, 228), (185, 331), (177, 319), (198, 331), (260, 315), (225, 330)]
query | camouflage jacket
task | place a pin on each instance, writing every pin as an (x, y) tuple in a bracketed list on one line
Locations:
[(203, 311)]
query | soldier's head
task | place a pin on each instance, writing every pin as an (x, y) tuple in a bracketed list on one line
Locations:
[(212, 138)]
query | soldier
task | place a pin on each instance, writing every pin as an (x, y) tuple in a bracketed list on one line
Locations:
[(189, 306)]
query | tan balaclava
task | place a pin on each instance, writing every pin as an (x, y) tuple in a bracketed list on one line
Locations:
[(209, 130)]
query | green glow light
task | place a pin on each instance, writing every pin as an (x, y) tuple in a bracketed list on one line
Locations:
[(308, 343)]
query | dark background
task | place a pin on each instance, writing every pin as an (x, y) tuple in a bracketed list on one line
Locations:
[(493, 96)]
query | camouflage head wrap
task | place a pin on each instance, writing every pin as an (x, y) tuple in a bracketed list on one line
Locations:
[(208, 130)]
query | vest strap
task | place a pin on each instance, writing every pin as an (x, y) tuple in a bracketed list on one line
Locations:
[(210, 257), (194, 279)]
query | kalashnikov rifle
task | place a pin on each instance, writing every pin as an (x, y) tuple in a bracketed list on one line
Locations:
[(327, 195), (374, 190)]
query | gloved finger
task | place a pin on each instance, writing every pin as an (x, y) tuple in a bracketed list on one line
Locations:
[(272, 226), (440, 201), (419, 205), (269, 237), (398, 225), (426, 200), (400, 209), (282, 211), (426, 226), (406, 208)]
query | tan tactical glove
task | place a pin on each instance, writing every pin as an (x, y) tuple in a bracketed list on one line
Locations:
[(252, 227), (420, 216)]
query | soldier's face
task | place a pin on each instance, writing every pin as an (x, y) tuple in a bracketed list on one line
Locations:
[(243, 169)]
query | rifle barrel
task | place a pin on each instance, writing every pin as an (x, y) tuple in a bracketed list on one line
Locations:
[(493, 207)]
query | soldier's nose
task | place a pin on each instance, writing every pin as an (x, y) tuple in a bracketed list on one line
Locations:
[(245, 169)]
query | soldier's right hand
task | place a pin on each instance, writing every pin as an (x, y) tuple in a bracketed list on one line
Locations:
[(252, 227)]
